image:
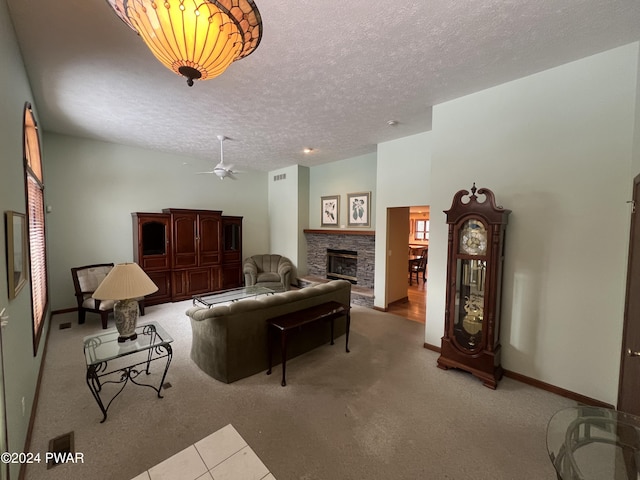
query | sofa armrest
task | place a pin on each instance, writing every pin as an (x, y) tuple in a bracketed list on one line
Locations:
[(285, 268), (250, 271)]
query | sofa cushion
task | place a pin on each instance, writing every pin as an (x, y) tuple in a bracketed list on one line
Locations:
[(268, 277), (104, 304)]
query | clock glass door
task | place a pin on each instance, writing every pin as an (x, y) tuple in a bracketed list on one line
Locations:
[(469, 309), (469, 313)]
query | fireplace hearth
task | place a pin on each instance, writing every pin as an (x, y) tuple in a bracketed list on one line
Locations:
[(342, 264)]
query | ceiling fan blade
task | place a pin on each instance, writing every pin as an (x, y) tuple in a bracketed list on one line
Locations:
[(202, 173)]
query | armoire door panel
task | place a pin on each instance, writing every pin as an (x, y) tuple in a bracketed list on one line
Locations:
[(231, 276), (178, 285), (152, 240), (198, 281), (185, 241), (209, 239), (152, 262), (163, 282)]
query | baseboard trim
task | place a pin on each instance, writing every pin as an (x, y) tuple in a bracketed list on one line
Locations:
[(64, 310), (433, 348), (399, 301), (380, 309), (557, 390), (544, 386)]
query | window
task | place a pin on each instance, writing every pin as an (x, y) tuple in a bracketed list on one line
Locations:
[(34, 186), (421, 230)]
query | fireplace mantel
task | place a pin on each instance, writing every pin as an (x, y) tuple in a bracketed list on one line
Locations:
[(341, 231)]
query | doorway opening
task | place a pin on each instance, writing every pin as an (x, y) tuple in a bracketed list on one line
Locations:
[(408, 235)]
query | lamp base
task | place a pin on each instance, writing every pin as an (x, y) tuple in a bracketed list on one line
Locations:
[(126, 314), (122, 339)]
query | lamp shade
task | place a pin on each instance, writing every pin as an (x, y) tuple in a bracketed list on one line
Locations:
[(125, 281), (195, 38)]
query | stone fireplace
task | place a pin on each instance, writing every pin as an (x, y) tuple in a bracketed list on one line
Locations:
[(360, 245), (342, 264)]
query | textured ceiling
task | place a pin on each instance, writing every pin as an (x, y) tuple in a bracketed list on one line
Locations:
[(328, 74)]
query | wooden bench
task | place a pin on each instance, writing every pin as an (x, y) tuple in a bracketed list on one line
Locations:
[(284, 324)]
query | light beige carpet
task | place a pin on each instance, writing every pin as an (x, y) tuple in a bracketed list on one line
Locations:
[(383, 411)]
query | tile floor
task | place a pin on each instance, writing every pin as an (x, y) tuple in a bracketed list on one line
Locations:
[(223, 455)]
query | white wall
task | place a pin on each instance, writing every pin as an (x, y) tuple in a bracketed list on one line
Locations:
[(21, 366), (555, 148), (285, 218), (304, 184), (93, 187), (352, 175), (403, 180)]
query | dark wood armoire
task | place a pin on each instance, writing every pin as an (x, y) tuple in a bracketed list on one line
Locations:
[(188, 252)]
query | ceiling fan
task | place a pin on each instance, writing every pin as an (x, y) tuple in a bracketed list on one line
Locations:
[(223, 170)]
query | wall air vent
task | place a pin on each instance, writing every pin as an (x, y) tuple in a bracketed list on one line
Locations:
[(282, 176)]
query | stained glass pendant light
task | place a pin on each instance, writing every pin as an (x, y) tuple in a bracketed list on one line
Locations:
[(195, 38)]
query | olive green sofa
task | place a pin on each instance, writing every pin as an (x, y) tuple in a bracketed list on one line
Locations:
[(229, 342)]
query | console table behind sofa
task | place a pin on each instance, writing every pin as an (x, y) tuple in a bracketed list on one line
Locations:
[(229, 342)]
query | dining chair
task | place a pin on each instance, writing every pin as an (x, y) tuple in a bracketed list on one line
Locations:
[(417, 266)]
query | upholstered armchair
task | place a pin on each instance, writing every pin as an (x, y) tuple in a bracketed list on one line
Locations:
[(269, 270), (85, 281)]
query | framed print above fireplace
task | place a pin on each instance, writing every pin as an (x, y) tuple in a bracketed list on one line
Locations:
[(358, 205), (330, 211)]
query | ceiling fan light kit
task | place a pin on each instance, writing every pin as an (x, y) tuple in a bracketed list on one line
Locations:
[(198, 39), (223, 170)]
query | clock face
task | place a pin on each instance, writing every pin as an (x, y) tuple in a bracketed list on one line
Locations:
[(473, 238)]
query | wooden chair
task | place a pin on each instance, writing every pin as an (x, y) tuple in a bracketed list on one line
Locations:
[(85, 281), (419, 266)]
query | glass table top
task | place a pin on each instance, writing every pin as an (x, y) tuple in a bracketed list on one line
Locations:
[(210, 299), (593, 443), (104, 346)]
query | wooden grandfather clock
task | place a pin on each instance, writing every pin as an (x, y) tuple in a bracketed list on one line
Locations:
[(471, 338)]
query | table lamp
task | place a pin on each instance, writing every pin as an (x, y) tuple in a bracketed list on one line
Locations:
[(125, 283)]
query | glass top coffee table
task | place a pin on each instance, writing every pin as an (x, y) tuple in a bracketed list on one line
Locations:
[(593, 443), (233, 295)]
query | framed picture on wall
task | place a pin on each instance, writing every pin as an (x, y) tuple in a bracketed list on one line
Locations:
[(358, 205), (16, 232), (330, 211)]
